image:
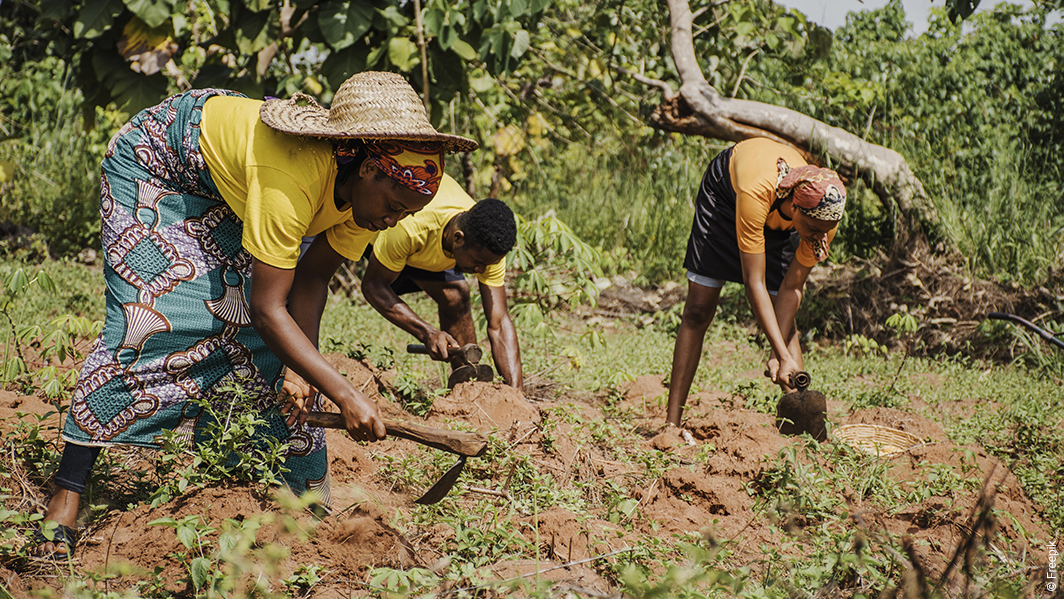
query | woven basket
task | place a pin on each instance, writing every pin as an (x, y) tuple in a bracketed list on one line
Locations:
[(875, 439)]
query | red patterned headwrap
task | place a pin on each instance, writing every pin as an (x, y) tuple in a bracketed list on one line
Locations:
[(818, 192), (416, 165)]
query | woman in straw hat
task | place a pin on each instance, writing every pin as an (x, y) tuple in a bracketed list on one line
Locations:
[(763, 218), (204, 201)]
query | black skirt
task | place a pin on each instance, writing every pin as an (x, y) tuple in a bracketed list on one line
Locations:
[(713, 248)]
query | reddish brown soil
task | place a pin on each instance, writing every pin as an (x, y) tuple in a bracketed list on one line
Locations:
[(707, 493)]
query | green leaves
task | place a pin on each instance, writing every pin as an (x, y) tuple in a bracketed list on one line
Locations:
[(518, 8), (403, 53), (341, 65), (463, 50), (96, 17), (200, 570), (520, 46), (130, 91), (255, 30), (344, 23), (556, 266), (152, 12)]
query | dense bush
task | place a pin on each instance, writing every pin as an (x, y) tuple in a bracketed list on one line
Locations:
[(52, 185)]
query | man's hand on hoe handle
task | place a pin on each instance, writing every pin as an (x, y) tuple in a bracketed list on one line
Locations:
[(440, 345)]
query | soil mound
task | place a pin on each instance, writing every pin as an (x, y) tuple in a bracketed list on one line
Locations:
[(485, 406), (609, 483)]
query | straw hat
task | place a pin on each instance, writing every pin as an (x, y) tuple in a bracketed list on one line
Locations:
[(369, 105)]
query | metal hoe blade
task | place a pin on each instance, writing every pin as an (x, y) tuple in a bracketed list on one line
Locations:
[(470, 372), (443, 486)]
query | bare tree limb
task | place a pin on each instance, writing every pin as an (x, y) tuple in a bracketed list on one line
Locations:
[(742, 73), (424, 57), (666, 89)]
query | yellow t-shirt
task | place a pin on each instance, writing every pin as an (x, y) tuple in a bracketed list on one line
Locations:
[(280, 185), (418, 239), (753, 176)]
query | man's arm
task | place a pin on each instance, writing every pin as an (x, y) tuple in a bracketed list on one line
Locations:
[(503, 335), (286, 335), (377, 289)]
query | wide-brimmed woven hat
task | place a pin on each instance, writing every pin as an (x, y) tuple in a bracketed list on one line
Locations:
[(369, 105)]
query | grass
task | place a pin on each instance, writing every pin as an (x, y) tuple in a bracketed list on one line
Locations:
[(1011, 410), (1012, 230), (640, 222)]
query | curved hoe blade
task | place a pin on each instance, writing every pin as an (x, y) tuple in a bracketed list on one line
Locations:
[(442, 486), (470, 372)]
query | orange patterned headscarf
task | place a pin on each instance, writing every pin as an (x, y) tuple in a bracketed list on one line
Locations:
[(416, 165)]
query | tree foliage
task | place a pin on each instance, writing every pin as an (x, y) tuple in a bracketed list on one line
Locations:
[(134, 52)]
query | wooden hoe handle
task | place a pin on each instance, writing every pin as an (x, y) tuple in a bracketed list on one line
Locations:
[(458, 442)]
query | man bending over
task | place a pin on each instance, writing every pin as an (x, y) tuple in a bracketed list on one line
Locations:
[(430, 251)]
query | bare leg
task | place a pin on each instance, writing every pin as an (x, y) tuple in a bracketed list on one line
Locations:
[(698, 313), (455, 309)]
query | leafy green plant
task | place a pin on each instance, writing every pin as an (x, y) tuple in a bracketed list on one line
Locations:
[(54, 152), (193, 533), (696, 577), (51, 344), (226, 447), (555, 267), (304, 579), (12, 522), (798, 486), (229, 559), (15, 284), (904, 325), (859, 345), (403, 582), (758, 396), (479, 546), (414, 398)]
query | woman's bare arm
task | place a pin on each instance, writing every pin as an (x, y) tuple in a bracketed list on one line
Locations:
[(293, 336)]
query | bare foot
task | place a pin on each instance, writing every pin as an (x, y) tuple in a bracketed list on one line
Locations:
[(63, 510)]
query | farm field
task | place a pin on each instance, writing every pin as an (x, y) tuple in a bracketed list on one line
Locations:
[(595, 123), (584, 492)]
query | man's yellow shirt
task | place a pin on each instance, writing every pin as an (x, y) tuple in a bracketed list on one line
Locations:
[(418, 239)]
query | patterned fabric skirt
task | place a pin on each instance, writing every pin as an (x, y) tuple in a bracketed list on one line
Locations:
[(178, 325)]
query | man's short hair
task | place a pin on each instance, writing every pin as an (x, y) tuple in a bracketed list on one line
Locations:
[(490, 224)]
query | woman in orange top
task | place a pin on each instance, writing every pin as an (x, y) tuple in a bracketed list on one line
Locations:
[(763, 218)]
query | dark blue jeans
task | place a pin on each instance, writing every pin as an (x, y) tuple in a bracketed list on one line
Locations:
[(75, 467)]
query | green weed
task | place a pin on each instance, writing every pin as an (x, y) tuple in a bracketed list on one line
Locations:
[(226, 447)]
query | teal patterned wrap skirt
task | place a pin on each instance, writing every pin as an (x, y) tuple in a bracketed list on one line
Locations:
[(178, 325)]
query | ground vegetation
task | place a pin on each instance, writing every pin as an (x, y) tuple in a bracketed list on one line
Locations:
[(583, 491)]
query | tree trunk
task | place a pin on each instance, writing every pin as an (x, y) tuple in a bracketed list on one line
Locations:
[(699, 109)]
